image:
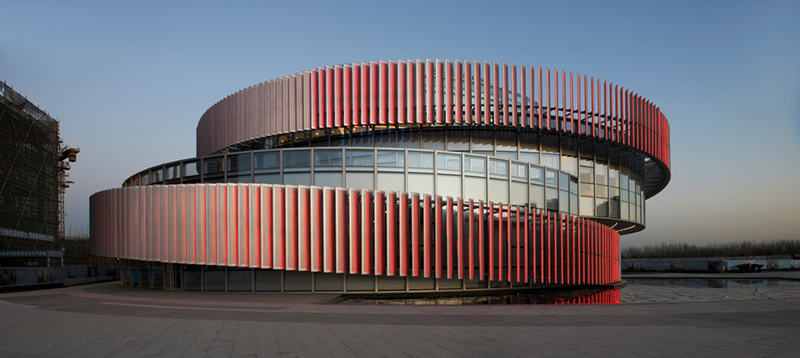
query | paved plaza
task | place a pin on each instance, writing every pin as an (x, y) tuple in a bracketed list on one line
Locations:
[(108, 320)]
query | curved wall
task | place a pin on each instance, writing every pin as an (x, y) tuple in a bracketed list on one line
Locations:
[(438, 93), (357, 232)]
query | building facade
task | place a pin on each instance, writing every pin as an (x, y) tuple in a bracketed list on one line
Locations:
[(33, 171), (396, 176)]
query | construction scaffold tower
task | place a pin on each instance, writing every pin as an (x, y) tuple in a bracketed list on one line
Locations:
[(33, 178)]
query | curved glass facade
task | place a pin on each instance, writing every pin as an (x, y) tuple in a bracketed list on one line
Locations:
[(517, 168)]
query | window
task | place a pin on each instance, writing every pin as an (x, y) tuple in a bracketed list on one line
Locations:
[(358, 158), (550, 160), (328, 158), (537, 175), (498, 168), (267, 160), (239, 163), (420, 160), (519, 171), (212, 165), (551, 178), (391, 159), (296, 159), (474, 164), (449, 162)]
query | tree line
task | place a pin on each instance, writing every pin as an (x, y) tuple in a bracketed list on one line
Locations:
[(731, 249)]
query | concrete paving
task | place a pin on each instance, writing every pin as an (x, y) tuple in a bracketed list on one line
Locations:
[(109, 320)]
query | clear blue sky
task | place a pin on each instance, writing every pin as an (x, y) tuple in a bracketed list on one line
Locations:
[(129, 80)]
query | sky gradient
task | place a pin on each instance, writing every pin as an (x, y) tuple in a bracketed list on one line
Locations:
[(129, 81)]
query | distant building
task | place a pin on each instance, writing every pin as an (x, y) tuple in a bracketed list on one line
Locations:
[(33, 169), (395, 176)]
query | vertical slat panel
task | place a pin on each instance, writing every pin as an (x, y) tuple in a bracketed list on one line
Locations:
[(347, 98), (448, 106), (157, 223), (563, 119), (471, 243), (561, 243), (500, 258), (604, 133), (415, 255), (539, 105), (429, 104), (307, 103), (519, 245), (449, 238), (316, 230), (496, 100), (468, 103), (508, 243), (549, 104), (439, 92), (380, 232), (199, 224), (487, 91), (411, 91), (211, 223), (136, 222), (147, 238), (584, 107), (290, 114), (459, 106), (366, 232), (426, 234), (542, 238), (242, 214), (437, 210), (490, 254), (220, 219), (514, 116), (391, 230), (315, 100), (303, 229), (279, 227), (403, 237), (478, 119), (401, 103), (365, 94), (383, 89), (329, 226), (420, 93), (481, 240), (571, 103), (191, 226), (355, 239), (330, 97), (526, 243), (374, 92), (556, 116), (591, 119), (460, 239), (523, 119), (534, 246), (355, 82), (254, 240), (341, 230)]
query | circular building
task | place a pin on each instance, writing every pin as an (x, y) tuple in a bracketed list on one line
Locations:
[(395, 176)]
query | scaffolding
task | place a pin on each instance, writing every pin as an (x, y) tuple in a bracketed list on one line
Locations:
[(33, 177)]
